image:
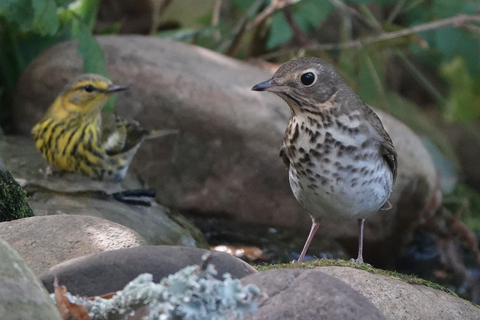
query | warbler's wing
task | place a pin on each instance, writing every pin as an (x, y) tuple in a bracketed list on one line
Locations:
[(135, 136), (114, 134), (160, 133), (119, 136)]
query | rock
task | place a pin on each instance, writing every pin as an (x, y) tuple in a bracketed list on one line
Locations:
[(13, 203), (110, 271), (225, 159), (464, 140), (76, 194), (22, 296), (46, 241), (308, 294), (399, 300)]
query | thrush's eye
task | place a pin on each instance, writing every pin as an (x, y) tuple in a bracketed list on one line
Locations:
[(308, 78), (89, 88)]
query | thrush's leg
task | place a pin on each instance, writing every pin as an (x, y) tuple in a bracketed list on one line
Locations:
[(361, 223), (315, 224)]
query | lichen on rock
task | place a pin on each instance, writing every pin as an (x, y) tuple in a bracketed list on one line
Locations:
[(190, 294)]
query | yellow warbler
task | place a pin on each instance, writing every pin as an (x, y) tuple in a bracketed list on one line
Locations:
[(75, 136)]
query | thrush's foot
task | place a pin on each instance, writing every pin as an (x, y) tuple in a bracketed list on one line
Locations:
[(358, 260)]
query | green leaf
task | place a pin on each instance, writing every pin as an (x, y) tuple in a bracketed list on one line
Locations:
[(38, 15), (11, 60), (464, 98), (280, 31), (360, 1), (205, 20), (46, 20), (385, 3), (86, 10), (453, 41), (309, 14), (446, 8), (89, 49), (19, 12), (371, 77), (93, 58), (63, 3), (113, 28)]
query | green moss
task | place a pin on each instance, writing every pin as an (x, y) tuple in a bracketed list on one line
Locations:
[(342, 263), (13, 203)]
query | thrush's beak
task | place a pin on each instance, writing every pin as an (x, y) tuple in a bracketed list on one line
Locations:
[(114, 88), (270, 86)]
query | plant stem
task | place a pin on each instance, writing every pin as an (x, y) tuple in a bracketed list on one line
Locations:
[(456, 21)]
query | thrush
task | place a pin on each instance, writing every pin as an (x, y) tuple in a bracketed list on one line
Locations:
[(342, 163)]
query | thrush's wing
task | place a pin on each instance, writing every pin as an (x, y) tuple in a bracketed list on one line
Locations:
[(283, 155), (388, 150)]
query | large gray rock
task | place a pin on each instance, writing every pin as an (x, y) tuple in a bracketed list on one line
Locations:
[(22, 296), (46, 241), (225, 159), (399, 300), (308, 295), (110, 271)]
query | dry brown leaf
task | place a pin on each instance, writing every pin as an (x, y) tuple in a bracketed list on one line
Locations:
[(65, 307), (105, 296)]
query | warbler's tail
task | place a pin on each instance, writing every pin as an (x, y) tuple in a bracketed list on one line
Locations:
[(160, 133)]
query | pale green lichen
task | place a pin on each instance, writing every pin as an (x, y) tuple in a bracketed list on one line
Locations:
[(190, 294)]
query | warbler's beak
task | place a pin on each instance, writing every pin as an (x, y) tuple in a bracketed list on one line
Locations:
[(113, 88), (270, 86)]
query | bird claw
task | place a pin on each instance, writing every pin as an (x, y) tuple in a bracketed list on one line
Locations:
[(135, 197), (359, 261), (356, 261), (48, 171)]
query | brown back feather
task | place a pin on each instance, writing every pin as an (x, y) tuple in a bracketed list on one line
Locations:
[(388, 150)]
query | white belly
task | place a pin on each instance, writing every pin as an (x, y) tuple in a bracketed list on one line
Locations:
[(340, 183), (343, 199)]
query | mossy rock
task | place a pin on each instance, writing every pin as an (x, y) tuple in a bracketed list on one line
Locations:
[(13, 200), (366, 267)]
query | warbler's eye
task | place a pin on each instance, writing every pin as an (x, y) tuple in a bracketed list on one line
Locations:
[(308, 78), (89, 88)]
